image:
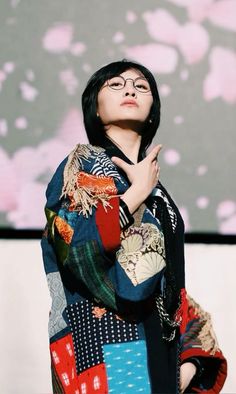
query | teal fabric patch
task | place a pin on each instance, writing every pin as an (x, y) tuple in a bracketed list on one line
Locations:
[(126, 365)]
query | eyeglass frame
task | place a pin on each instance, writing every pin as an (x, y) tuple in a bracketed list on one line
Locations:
[(128, 79)]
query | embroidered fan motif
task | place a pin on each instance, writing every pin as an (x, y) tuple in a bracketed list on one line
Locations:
[(104, 166), (142, 252)]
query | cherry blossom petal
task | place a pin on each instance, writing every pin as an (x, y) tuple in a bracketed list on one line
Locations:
[(29, 212), (184, 75), (58, 38), (118, 37), (178, 119), (225, 209), (193, 42), (52, 152), (202, 202), (69, 81), (199, 10), (164, 90), (72, 129), (77, 48), (30, 75), (161, 25), (131, 17), (28, 92), (223, 14), (158, 58), (3, 76), (9, 67), (228, 226), (21, 123), (9, 183), (28, 164), (221, 79), (171, 157), (202, 170)]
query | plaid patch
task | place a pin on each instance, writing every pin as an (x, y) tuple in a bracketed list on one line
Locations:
[(90, 266)]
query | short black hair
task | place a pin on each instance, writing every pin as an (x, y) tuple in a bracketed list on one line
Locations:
[(93, 125)]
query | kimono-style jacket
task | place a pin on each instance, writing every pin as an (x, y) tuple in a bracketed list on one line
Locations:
[(106, 273)]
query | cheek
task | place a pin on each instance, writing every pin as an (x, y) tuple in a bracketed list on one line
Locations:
[(147, 105), (106, 106), (102, 109), (102, 103), (150, 102)]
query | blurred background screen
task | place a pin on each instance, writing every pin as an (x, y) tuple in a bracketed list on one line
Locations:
[(48, 51)]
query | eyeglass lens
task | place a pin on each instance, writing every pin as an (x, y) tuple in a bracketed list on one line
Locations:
[(140, 84)]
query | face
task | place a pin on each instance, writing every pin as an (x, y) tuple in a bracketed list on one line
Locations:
[(126, 104)]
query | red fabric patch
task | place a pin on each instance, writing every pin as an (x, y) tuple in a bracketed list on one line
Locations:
[(63, 358), (93, 380), (108, 224)]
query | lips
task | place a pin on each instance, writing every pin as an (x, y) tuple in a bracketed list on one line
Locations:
[(130, 102)]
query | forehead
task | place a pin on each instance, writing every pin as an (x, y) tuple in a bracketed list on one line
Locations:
[(130, 73)]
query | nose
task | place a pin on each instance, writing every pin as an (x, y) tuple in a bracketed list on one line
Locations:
[(129, 89)]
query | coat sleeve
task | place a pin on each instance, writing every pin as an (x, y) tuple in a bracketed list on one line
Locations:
[(199, 345), (87, 246)]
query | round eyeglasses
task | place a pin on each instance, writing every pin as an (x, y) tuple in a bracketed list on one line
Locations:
[(118, 83)]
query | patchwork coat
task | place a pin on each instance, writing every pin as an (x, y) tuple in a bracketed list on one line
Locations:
[(106, 274)]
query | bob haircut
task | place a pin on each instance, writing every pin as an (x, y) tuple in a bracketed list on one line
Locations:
[(93, 125)]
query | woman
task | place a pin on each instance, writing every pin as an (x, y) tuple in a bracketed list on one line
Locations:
[(113, 249)]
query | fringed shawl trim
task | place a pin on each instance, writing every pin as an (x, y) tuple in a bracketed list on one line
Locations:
[(83, 198)]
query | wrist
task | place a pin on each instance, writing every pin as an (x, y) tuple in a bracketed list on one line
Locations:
[(126, 218), (133, 198), (198, 367)]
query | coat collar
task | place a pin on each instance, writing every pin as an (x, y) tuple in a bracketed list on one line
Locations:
[(113, 150)]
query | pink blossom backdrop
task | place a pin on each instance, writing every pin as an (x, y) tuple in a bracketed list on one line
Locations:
[(48, 50)]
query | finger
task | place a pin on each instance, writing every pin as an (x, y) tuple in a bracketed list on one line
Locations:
[(158, 174), (120, 163), (156, 165), (154, 153)]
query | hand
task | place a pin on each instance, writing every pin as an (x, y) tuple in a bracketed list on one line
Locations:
[(187, 372), (143, 175)]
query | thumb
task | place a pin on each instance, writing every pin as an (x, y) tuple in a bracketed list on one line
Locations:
[(154, 152), (120, 163)]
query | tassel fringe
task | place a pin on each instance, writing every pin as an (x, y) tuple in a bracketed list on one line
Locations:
[(75, 164), (83, 199)]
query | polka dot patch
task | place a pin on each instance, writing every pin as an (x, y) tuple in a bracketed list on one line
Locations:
[(90, 333)]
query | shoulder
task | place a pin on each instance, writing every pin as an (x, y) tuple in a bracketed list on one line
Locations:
[(81, 158)]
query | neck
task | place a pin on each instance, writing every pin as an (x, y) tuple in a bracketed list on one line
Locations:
[(127, 140)]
